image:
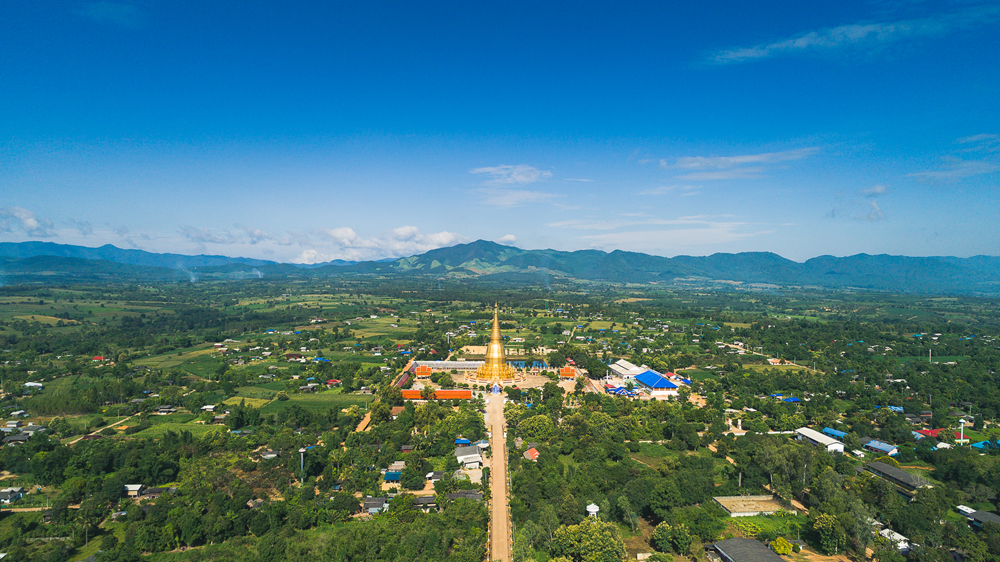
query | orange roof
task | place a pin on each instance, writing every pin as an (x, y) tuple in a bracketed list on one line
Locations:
[(567, 371), (452, 394), (412, 394)]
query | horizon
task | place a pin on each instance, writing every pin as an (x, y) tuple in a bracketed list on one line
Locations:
[(306, 134), (523, 249)]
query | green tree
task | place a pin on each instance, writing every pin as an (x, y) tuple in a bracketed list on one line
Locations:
[(592, 540), (830, 533), (781, 546)]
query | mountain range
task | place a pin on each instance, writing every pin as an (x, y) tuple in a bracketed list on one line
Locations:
[(47, 262)]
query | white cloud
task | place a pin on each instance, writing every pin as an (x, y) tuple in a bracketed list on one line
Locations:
[(956, 170), (860, 36), (874, 213), (874, 191), (18, 219), (515, 175), (508, 239), (725, 162), (577, 179), (743, 166), (206, 236), (662, 190), (83, 227), (984, 137), (980, 143), (344, 243), (738, 174), (514, 197), (635, 221), (671, 239)]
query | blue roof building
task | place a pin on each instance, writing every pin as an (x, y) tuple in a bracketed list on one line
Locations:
[(880, 447), (462, 441), (392, 476), (834, 433), (655, 383), (792, 399)]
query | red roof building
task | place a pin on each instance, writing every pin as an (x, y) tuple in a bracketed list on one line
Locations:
[(531, 454), (933, 432), (98, 358)]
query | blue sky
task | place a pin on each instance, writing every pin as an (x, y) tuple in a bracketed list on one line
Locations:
[(377, 129)]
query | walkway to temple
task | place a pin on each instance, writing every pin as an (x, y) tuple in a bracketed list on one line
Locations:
[(500, 538)]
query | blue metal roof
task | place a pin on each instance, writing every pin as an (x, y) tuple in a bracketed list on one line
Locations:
[(392, 476), (834, 433), (792, 399), (462, 441), (884, 447), (653, 380)]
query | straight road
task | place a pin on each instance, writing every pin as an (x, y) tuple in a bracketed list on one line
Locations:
[(499, 520)]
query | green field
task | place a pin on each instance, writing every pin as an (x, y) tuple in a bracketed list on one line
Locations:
[(319, 401), (197, 429)]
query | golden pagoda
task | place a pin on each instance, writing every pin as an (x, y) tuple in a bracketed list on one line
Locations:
[(495, 370)]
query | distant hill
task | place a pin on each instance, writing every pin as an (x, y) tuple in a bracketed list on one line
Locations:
[(45, 262), (118, 255)]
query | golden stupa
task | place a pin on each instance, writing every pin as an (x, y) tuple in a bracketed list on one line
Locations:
[(496, 370)]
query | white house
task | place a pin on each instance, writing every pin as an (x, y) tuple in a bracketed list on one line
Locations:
[(469, 457), (816, 438)]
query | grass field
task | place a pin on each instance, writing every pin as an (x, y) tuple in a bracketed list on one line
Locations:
[(319, 401), (770, 525), (197, 361), (196, 429), (247, 401)]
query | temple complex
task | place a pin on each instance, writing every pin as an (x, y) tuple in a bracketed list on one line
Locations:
[(495, 371)]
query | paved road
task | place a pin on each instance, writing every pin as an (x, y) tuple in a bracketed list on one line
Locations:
[(499, 520)]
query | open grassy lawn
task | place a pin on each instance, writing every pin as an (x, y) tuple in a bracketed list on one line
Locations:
[(197, 360), (196, 429), (785, 526), (319, 401), (652, 453), (247, 401), (171, 419)]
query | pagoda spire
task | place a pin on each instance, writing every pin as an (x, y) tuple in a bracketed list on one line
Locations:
[(495, 369)]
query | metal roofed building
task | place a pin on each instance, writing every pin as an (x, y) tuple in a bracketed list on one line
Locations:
[(626, 369), (655, 384), (907, 484), (745, 550), (460, 366), (979, 519), (880, 447), (816, 438), (839, 435)]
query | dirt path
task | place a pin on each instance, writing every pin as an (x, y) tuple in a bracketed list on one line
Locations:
[(500, 537), (94, 432)]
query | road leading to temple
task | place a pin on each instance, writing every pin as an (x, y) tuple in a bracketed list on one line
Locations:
[(500, 522)]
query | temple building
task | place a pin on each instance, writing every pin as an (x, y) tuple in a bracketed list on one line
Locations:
[(495, 369)]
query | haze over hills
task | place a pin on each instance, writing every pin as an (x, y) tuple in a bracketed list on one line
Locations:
[(45, 262)]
